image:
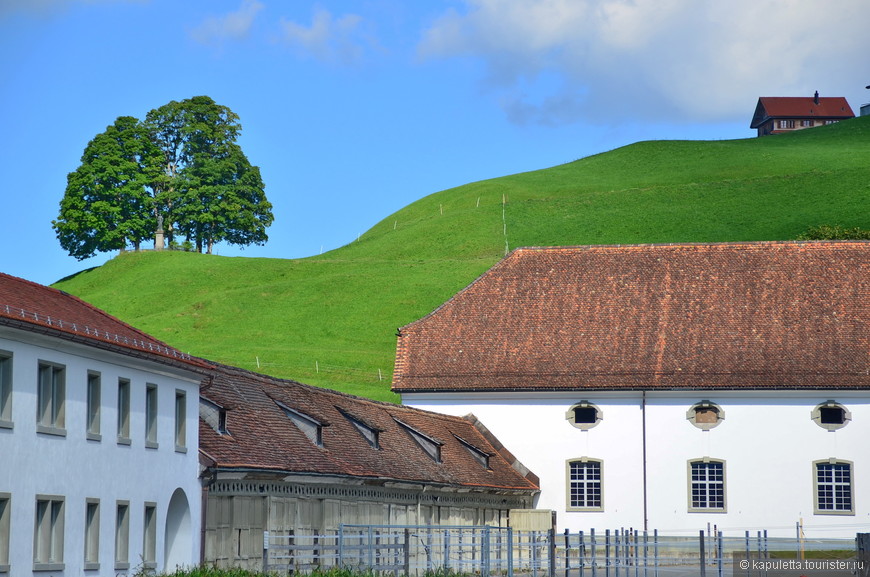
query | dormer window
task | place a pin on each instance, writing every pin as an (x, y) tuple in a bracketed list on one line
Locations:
[(312, 428), (584, 415), (214, 415), (369, 433), (479, 455), (429, 445)]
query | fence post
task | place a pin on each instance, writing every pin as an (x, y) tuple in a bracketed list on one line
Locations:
[(592, 544), (265, 551), (485, 554), (703, 556), (721, 554), (510, 544), (407, 560), (567, 553), (551, 537), (607, 552)]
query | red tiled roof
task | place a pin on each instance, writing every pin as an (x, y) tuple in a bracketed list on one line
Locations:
[(735, 315), (38, 308), (798, 107), (263, 438)]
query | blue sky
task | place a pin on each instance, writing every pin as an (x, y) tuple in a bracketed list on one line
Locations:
[(354, 109)]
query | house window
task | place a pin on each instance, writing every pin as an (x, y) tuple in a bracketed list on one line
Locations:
[(48, 533), (5, 390), (95, 393), (149, 532), (92, 534), (313, 429), (584, 415), (831, 122), (478, 454), (369, 433), (180, 421), (831, 415), (429, 445), (806, 123), (123, 411), (151, 417), (214, 416), (786, 123), (833, 487), (584, 485), (51, 401), (707, 486), (5, 525), (705, 415), (122, 535)]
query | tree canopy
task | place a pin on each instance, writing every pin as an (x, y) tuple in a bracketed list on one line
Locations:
[(180, 167)]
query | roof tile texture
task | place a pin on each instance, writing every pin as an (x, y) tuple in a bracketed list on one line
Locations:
[(731, 315)]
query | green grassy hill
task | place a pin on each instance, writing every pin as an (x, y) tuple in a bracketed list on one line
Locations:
[(330, 320)]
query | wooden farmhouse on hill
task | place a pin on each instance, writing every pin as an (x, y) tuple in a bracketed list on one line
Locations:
[(778, 114), (120, 452), (667, 386)]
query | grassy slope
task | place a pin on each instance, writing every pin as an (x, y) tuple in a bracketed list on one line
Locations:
[(337, 313)]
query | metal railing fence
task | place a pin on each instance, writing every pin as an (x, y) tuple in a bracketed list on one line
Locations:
[(503, 551)]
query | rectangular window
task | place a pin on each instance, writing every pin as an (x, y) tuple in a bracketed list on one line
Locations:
[(122, 535), (584, 485), (707, 486), (806, 123), (92, 534), (833, 482), (51, 399), (786, 123), (123, 411), (149, 545), (151, 416), (48, 533), (5, 390), (180, 421), (95, 394), (5, 525)]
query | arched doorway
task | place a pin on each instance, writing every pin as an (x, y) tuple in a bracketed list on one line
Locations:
[(178, 550)]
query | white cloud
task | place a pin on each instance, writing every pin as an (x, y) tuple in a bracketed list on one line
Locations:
[(337, 40), (233, 26), (556, 61)]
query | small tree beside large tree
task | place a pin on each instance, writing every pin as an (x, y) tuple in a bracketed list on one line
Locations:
[(180, 167)]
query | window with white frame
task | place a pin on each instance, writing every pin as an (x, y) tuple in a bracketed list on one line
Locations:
[(92, 534), (786, 123), (5, 390), (584, 485), (123, 411), (122, 535), (149, 536), (806, 123), (95, 394), (833, 487), (707, 486), (51, 399), (48, 533), (151, 416), (5, 526), (180, 421)]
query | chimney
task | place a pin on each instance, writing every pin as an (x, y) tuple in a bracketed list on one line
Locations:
[(816, 98)]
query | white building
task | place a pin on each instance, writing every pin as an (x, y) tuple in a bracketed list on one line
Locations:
[(99, 438), (667, 386)]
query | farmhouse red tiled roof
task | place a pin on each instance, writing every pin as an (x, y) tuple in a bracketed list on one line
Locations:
[(262, 437), (831, 107), (735, 315), (34, 307)]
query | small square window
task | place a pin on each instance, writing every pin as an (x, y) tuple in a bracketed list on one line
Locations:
[(584, 415), (831, 415)]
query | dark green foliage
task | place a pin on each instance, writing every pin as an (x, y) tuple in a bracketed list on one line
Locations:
[(181, 167), (835, 232)]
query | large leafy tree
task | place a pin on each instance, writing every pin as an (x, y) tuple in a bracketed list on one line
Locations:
[(180, 167), (107, 205), (212, 192)]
